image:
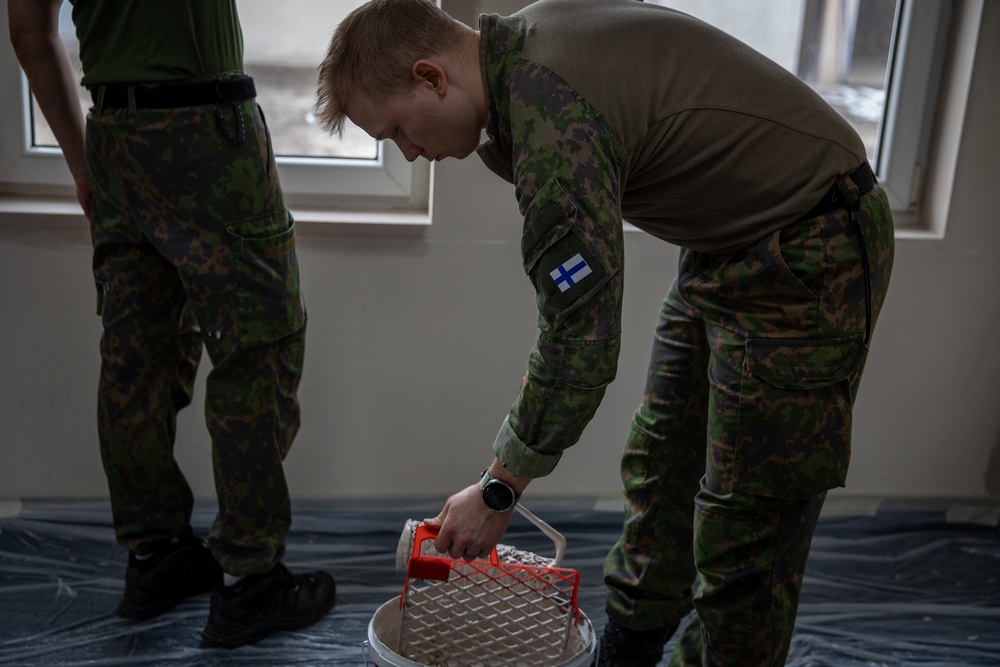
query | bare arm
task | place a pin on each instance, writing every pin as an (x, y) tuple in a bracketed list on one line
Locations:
[(34, 33)]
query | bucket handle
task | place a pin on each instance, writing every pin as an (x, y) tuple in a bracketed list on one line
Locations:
[(364, 652), (557, 538)]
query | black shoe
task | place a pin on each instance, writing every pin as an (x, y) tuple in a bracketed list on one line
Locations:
[(260, 604), (175, 571), (621, 647)]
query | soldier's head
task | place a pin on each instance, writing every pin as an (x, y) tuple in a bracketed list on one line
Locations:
[(404, 70)]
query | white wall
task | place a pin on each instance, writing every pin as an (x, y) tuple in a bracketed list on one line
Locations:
[(416, 347)]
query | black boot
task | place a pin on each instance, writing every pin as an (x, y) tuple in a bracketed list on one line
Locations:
[(173, 572), (260, 604), (621, 647)]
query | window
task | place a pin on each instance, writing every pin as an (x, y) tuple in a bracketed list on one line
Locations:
[(876, 61), (324, 178)]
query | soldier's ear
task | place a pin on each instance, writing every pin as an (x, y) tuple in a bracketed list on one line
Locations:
[(429, 73)]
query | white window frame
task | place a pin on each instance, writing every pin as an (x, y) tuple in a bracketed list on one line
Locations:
[(912, 82), (386, 190), (927, 93)]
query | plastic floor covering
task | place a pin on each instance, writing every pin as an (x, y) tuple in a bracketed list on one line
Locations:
[(888, 583)]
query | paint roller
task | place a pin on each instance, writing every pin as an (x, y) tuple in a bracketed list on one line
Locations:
[(505, 553)]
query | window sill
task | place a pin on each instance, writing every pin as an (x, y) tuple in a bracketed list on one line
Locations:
[(52, 212), (56, 213), (47, 212), (910, 232)]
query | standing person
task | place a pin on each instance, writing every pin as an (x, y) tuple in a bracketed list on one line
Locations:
[(602, 111), (193, 246)]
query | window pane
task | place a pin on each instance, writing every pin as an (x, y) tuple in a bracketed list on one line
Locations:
[(844, 56), (839, 47), (41, 134), (283, 46)]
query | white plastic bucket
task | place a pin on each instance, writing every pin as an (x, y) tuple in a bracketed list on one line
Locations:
[(383, 638)]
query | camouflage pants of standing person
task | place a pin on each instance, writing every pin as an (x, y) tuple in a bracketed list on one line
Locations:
[(194, 245), (766, 347)]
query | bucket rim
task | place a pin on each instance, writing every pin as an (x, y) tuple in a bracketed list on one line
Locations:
[(392, 659)]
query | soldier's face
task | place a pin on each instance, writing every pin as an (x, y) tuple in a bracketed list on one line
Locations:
[(421, 122)]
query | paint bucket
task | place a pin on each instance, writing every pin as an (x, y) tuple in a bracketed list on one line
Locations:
[(383, 638)]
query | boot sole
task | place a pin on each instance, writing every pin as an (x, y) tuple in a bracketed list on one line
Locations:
[(149, 611), (258, 631)]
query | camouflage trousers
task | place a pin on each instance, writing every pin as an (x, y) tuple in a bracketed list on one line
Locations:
[(194, 248), (744, 426)]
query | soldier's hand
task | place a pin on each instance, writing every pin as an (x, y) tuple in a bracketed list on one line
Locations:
[(468, 528)]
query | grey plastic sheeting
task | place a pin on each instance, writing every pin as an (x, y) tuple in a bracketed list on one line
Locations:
[(898, 587)]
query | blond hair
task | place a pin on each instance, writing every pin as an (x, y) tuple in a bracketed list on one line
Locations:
[(374, 48)]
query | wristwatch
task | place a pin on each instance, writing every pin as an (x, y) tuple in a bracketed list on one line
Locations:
[(498, 495)]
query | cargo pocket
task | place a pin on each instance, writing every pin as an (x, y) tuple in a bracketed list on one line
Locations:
[(734, 555), (269, 301), (796, 401)]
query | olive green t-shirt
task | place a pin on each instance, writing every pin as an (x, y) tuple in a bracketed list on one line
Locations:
[(156, 41)]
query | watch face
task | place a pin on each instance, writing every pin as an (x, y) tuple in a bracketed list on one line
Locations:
[(498, 496)]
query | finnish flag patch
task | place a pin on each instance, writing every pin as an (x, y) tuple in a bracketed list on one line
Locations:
[(570, 272)]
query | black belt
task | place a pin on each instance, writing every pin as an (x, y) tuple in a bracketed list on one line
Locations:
[(863, 178), (175, 95)]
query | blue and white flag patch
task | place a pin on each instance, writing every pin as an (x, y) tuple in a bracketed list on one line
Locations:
[(570, 272)]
